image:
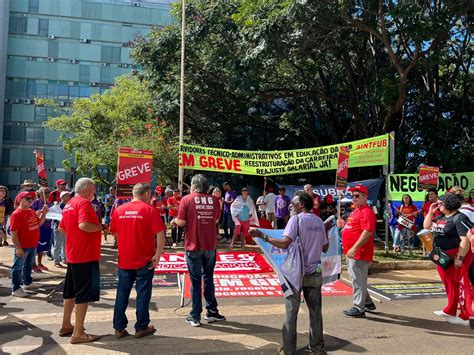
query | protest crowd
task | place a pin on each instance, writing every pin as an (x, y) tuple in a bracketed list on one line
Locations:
[(67, 226)]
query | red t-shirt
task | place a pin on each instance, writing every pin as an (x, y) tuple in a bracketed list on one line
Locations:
[(426, 209), (54, 196), (136, 224), (408, 212), (362, 218), (26, 224), (81, 247), (201, 212), (173, 202), (316, 210)]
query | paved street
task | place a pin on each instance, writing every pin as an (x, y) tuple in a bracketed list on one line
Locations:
[(252, 326)]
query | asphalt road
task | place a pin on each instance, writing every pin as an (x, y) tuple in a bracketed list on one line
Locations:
[(253, 324)]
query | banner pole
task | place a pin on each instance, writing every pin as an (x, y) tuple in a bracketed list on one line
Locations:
[(181, 93), (388, 169)]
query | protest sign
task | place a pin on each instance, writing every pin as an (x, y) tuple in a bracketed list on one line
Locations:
[(342, 168), (400, 184), (404, 291), (428, 177), (259, 285), (134, 166), (227, 262), (42, 178), (365, 152), (330, 261)]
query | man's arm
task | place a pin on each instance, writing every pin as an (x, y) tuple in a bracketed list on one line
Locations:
[(363, 239), (179, 222), (160, 243), (90, 227), (279, 243), (16, 242)]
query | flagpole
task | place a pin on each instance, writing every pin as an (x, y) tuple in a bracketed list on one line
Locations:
[(181, 94)]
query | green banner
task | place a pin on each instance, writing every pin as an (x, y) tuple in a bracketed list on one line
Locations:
[(400, 184), (365, 152)]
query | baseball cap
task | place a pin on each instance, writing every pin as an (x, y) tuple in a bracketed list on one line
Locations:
[(24, 194), (64, 193), (168, 189), (329, 198), (159, 189), (360, 188), (60, 182)]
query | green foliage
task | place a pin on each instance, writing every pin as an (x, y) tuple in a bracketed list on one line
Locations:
[(121, 117), (282, 74)]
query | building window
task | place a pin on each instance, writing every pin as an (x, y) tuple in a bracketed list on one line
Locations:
[(8, 112), (43, 27), (73, 91), (84, 91), (41, 90), (18, 24), (84, 73), (33, 6), (40, 113), (63, 91), (53, 91)]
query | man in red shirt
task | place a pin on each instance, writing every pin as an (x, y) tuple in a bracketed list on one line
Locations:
[(24, 227), (358, 246), (432, 198), (199, 212), (55, 195), (136, 224), (81, 226), (308, 188), (173, 206)]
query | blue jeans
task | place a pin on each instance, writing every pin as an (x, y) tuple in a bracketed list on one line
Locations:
[(201, 266), (22, 266), (228, 225), (59, 251), (143, 278)]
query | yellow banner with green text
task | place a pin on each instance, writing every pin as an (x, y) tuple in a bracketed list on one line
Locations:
[(365, 152)]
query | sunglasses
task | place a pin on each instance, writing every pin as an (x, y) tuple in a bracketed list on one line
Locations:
[(245, 190), (28, 199), (355, 196)]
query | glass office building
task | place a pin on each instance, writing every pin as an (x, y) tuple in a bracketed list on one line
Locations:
[(60, 49)]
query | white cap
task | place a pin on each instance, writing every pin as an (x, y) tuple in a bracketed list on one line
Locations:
[(64, 193)]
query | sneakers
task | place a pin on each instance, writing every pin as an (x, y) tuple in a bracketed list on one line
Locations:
[(354, 313), (193, 322), (214, 316), (20, 293), (441, 314), (175, 245), (27, 287), (459, 321), (370, 306), (36, 269), (5, 243)]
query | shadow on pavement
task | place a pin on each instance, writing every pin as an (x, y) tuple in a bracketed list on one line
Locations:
[(13, 330), (331, 343), (436, 326)]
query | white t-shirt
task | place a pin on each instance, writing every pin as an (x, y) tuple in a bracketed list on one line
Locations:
[(270, 201), (468, 211), (260, 200)]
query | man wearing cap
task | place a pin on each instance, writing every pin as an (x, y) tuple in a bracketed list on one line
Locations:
[(25, 229), (358, 246), (59, 247), (28, 185), (55, 196)]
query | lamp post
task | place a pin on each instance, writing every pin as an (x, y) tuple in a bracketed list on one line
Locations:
[(181, 93)]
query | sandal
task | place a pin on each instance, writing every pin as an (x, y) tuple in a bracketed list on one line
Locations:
[(121, 333), (64, 332), (85, 338), (144, 332)]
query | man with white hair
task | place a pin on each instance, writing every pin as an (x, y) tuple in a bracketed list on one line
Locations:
[(82, 228)]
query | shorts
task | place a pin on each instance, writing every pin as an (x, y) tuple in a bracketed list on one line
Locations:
[(82, 282)]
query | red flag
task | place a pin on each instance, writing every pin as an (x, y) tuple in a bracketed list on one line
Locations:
[(134, 166), (428, 177), (43, 180), (342, 168)]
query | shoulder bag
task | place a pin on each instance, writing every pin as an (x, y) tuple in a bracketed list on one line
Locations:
[(293, 266)]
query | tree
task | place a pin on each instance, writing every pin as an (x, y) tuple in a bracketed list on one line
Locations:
[(273, 74), (121, 117)]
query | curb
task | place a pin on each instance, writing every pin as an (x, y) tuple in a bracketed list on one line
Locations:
[(385, 266)]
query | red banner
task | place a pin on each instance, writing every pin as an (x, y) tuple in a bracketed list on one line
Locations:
[(42, 178), (134, 166), (232, 262), (342, 168), (428, 177), (259, 285)]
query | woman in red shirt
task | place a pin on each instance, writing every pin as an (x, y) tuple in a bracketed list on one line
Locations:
[(409, 211)]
